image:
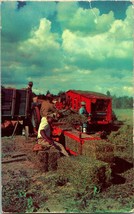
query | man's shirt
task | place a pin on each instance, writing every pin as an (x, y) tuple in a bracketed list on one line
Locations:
[(82, 110), (44, 125), (47, 108)]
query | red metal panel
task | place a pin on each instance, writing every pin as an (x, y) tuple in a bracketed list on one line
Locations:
[(74, 135), (99, 105), (89, 94)]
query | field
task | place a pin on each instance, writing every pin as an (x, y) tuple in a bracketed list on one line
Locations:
[(125, 115), (28, 188)]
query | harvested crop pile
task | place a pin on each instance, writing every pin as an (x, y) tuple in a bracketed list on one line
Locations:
[(97, 149), (48, 159), (71, 119), (123, 141), (100, 150), (84, 172), (73, 144)]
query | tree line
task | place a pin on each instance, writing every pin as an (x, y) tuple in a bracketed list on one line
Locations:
[(122, 102)]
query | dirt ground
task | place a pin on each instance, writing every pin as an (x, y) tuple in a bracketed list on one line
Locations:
[(25, 175), (27, 188)]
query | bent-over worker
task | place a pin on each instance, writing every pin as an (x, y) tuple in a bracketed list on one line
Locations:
[(45, 135)]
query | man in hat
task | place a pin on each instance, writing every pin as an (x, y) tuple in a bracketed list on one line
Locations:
[(47, 106), (82, 110), (45, 135)]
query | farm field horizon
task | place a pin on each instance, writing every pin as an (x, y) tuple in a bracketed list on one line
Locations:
[(125, 115)]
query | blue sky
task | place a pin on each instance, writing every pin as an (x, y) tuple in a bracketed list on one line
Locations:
[(68, 45)]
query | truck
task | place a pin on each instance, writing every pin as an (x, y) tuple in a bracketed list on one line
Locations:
[(16, 105)]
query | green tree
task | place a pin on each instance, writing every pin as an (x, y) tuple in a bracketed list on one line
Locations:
[(108, 94), (61, 92), (48, 92)]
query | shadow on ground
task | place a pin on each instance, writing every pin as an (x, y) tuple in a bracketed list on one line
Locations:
[(120, 166)]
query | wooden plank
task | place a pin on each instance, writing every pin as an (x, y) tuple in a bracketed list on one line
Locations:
[(13, 160), (18, 155), (6, 107)]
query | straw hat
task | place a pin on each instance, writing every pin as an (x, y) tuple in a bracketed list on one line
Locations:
[(83, 103)]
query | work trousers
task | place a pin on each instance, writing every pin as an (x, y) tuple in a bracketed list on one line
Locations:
[(58, 146)]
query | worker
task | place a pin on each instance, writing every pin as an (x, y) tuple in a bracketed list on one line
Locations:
[(34, 104), (47, 106), (45, 135), (82, 110), (35, 101)]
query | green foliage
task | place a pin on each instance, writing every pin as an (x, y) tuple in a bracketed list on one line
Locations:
[(123, 102), (30, 205), (123, 141), (48, 92), (108, 94), (60, 93)]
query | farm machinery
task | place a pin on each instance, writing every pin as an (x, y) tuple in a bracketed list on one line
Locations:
[(97, 104), (73, 130), (79, 131)]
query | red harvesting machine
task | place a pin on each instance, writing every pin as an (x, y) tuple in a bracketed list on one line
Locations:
[(98, 105)]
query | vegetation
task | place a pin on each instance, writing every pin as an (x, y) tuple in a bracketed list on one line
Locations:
[(122, 102), (124, 115)]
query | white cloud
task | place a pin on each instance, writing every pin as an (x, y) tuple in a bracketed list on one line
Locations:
[(102, 45), (128, 90), (83, 21), (42, 49), (41, 38)]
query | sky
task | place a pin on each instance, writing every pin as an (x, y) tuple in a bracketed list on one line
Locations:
[(82, 45)]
